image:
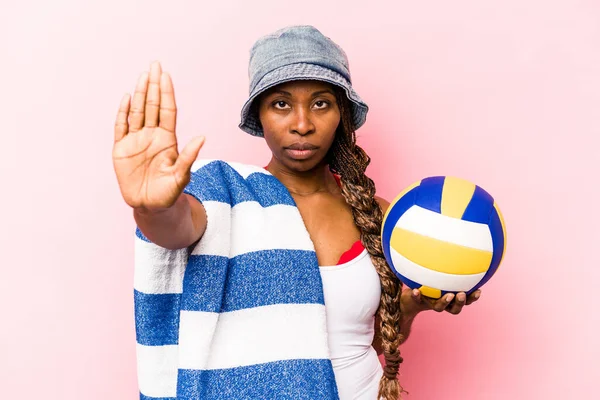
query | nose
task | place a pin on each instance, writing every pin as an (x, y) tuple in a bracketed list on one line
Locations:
[(301, 123)]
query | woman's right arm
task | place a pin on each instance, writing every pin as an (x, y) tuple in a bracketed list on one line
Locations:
[(176, 227), (152, 174)]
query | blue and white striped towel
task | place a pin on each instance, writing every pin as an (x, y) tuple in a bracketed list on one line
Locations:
[(242, 314)]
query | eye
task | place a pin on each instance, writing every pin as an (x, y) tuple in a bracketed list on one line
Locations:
[(280, 105), (320, 104)]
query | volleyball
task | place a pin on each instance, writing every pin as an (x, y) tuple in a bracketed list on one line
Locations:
[(443, 235)]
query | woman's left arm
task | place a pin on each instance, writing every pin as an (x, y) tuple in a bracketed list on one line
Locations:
[(412, 302), (405, 325)]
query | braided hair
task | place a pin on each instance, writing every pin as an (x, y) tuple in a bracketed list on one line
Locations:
[(350, 161)]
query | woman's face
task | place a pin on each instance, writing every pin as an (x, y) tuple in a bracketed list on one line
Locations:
[(299, 121)]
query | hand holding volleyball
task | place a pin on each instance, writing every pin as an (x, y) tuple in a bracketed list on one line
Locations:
[(412, 302)]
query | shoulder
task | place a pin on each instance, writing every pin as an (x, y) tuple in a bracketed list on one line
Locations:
[(223, 181), (223, 167), (383, 203), (233, 183)]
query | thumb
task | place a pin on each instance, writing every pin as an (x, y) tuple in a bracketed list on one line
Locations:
[(188, 155)]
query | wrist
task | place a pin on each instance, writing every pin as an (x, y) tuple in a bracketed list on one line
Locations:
[(155, 211), (407, 317), (149, 212)]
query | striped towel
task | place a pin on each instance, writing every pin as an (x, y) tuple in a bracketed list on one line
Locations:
[(240, 315)]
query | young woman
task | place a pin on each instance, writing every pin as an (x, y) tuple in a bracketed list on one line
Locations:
[(302, 102)]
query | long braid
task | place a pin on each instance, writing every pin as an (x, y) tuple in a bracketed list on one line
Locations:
[(350, 162)]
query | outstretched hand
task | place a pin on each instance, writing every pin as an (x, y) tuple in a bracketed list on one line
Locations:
[(412, 302), (150, 171)]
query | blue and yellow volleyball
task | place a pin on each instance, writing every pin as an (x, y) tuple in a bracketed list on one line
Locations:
[(444, 235)]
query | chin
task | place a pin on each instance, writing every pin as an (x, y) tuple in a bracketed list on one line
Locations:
[(301, 165)]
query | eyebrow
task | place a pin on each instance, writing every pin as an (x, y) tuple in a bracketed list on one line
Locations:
[(320, 92), (315, 94)]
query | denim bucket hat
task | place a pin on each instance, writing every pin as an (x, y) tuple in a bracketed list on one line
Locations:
[(297, 53)]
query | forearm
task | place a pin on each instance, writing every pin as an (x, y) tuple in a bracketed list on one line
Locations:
[(406, 322), (405, 327), (175, 227)]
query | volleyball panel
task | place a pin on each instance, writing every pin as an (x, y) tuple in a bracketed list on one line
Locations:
[(456, 196), (393, 214), (439, 255), (429, 195), (434, 279), (434, 225), (480, 207), (499, 238)]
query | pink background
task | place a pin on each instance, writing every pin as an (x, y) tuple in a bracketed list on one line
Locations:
[(504, 93)]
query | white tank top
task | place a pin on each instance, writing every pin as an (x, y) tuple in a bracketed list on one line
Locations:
[(352, 291)]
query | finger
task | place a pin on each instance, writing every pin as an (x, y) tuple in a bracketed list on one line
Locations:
[(473, 297), (459, 302), (136, 113), (121, 125), (168, 108), (187, 157), (416, 295), (441, 304), (153, 96)]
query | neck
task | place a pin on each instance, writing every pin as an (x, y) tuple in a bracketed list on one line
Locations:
[(304, 183)]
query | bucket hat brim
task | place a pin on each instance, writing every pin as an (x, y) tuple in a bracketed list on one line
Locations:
[(299, 71)]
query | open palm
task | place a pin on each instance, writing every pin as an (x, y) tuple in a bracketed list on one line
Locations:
[(150, 171)]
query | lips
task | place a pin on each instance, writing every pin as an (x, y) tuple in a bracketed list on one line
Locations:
[(302, 146), (301, 151)]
